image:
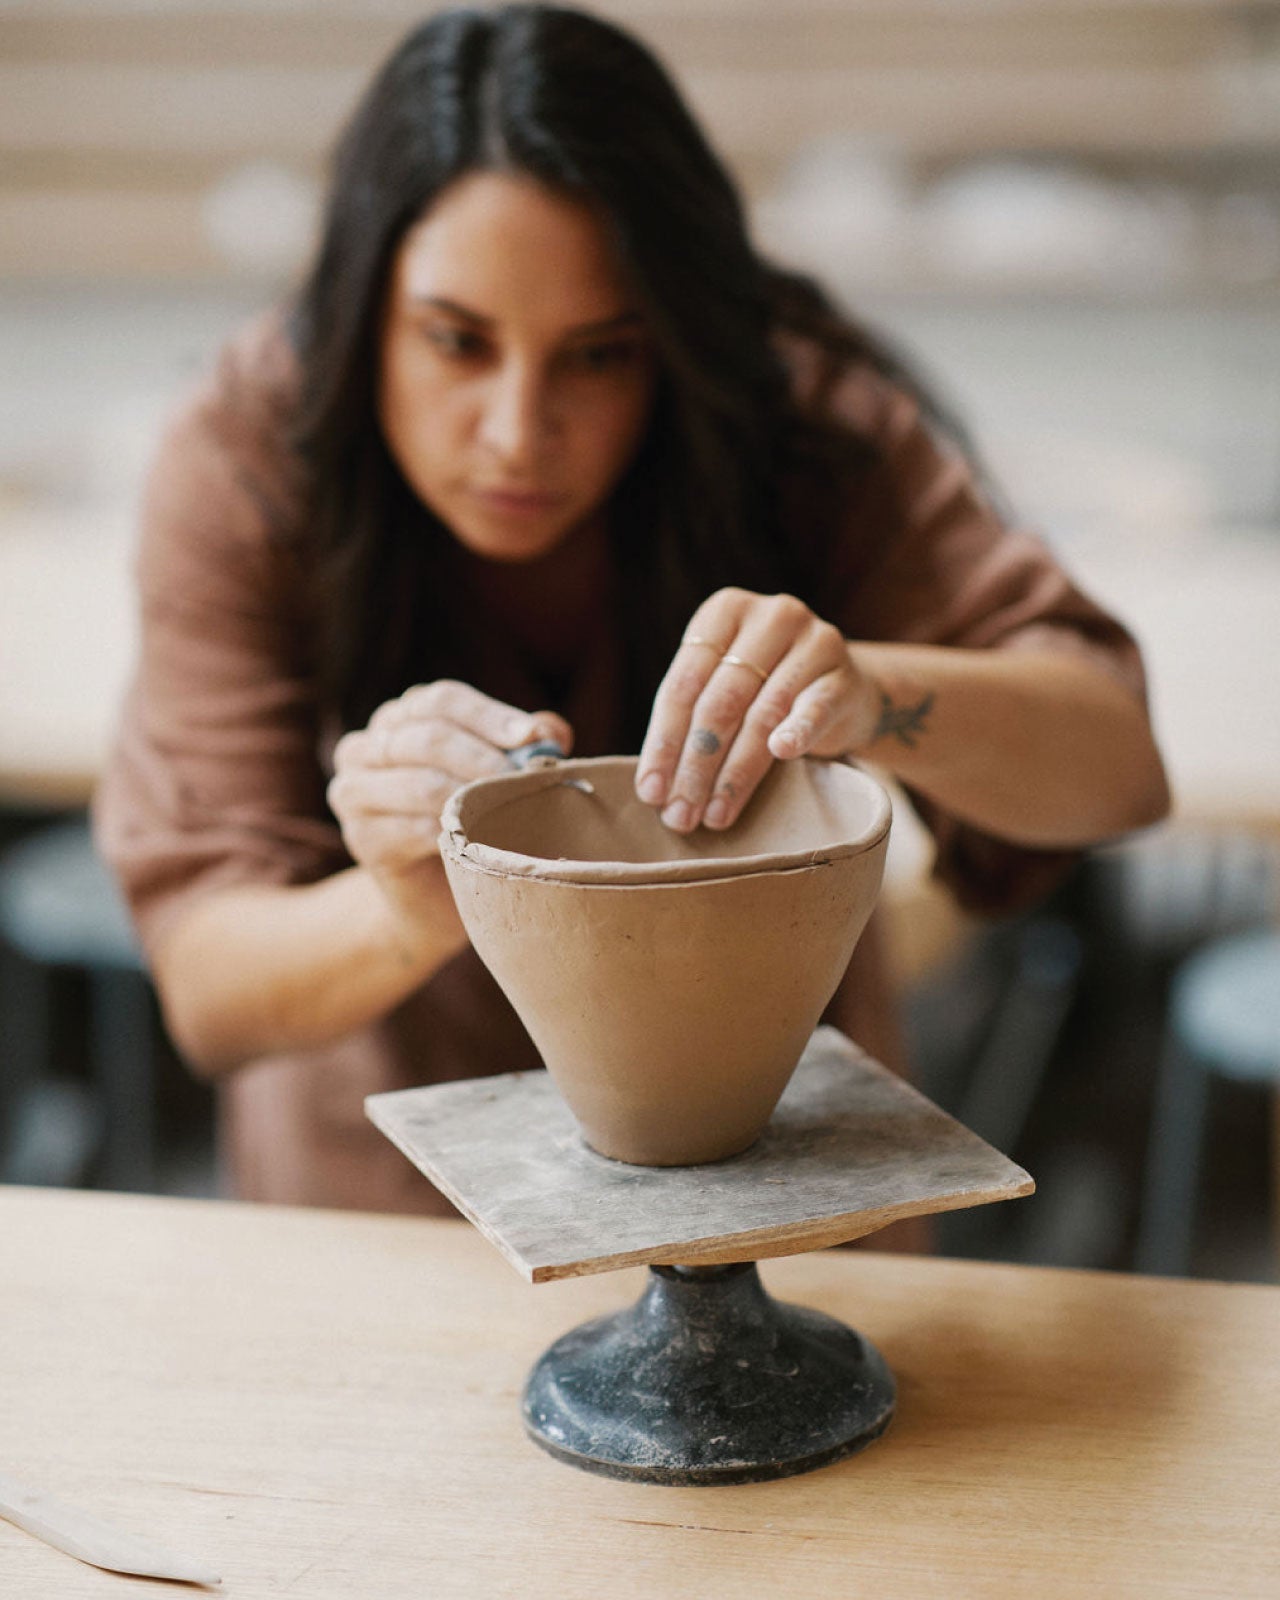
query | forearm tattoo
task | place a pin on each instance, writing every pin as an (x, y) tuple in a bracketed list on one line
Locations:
[(905, 723)]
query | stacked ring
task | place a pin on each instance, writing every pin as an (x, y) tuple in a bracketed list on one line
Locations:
[(726, 655), (738, 661)]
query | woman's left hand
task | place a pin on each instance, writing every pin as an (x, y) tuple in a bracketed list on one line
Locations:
[(757, 678)]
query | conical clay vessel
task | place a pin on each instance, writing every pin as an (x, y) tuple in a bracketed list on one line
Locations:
[(669, 983)]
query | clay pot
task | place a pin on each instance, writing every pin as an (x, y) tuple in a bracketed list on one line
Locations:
[(670, 983)]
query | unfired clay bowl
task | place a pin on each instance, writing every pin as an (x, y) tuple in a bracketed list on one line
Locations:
[(669, 983)]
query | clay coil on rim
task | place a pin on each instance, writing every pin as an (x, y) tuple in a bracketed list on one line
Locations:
[(803, 811), (670, 983)]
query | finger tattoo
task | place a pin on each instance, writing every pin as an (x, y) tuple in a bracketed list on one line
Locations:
[(705, 742)]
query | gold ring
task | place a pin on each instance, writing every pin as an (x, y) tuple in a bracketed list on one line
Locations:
[(737, 661), (696, 638)]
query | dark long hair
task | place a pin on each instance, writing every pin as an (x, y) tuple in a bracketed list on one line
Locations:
[(579, 105)]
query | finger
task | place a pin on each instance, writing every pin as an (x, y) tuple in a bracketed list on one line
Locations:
[(721, 711), (391, 791), (720, 616), (392, 841), (434, 743), (369, 747), (664, 740), (749, 756), (501, 725), (816, 709), (726, 753), (552, 728), (738, 708), (739, 777), (711, 631), (821, 656), (820, 650)]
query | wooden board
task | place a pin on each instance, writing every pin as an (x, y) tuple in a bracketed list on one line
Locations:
[(850, 1149)]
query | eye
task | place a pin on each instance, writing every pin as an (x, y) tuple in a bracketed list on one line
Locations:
[(601, 357), (459, 343)]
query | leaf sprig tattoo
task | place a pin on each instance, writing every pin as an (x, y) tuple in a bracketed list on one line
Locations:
[(905, 723)]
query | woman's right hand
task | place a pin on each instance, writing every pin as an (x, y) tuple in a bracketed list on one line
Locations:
[(391, 779)]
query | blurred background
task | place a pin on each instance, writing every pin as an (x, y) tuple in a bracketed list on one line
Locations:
[(1066, 211)]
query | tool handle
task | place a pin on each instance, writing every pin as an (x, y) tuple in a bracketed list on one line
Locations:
[(540, 753)]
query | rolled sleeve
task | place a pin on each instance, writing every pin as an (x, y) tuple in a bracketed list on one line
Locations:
[(215, 777), (954, 574)]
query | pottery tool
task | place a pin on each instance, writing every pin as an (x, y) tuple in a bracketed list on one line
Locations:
[(544, 753), (671, 985), (89, 1539), (537, 753)]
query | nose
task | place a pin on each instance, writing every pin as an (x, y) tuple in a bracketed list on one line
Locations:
[(515, 422)]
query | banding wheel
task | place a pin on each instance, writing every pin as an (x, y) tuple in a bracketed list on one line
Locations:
[(706, 1380)]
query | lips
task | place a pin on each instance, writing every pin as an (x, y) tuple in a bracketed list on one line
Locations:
[(519, 501)]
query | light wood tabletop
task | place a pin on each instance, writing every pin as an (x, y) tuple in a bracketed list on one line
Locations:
[(322, 1404)]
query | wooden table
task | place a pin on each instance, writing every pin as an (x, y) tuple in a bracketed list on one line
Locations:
[(326, 1405)]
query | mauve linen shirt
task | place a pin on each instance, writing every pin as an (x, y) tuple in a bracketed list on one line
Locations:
[(219, 769)]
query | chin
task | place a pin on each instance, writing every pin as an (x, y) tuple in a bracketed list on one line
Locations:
[(516, 541), (509, 551)]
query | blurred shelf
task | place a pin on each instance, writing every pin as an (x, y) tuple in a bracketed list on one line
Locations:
[(1196, 293), (117, 119), (766, 105), (105, 233)]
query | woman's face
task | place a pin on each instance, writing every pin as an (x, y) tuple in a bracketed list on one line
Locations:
[(516, 375)]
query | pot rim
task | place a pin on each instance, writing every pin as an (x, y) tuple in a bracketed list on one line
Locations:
[(455, 846)]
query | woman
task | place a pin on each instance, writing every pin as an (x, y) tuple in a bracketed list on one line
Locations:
[(544, 450)]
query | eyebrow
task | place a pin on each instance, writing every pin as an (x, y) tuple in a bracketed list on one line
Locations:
[(623, 322)]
